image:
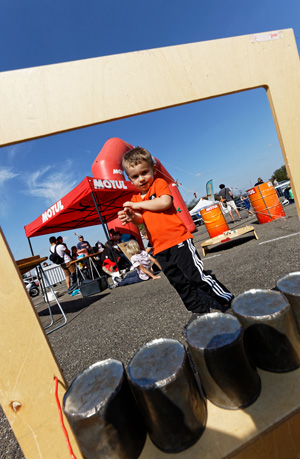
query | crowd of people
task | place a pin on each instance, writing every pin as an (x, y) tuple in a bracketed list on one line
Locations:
[(108, 258)]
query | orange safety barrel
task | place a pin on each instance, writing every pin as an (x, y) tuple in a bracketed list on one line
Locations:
[(214, 220), (265, 203)]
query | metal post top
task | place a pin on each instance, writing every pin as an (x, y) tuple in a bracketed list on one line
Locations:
[(260, 304), (156, 363), (213, 331), (290, 284), (93, 388)]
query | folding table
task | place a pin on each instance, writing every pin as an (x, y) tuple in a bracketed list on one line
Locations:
[(25, 265)]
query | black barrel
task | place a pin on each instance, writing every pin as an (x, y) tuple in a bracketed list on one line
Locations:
[(103, 414), (289, 285), (216, 345), (167, 394), (271, 334)]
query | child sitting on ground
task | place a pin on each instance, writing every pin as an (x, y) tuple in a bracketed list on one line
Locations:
[(141, 261)]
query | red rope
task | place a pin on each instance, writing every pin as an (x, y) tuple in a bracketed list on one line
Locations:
[(62, 421)]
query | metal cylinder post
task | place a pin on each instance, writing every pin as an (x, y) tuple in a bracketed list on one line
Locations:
[(103, 414), (289, 285), (271, 334), (216, 346), (167, 394)]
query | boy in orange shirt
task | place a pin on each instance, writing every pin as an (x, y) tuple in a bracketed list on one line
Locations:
[(171, 241)]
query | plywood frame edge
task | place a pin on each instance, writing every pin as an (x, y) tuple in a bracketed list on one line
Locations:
[(47, 100)]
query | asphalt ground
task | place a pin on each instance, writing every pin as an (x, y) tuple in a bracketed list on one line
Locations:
[(116, 323)]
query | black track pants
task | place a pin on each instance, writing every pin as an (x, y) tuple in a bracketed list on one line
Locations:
[(184, 269)]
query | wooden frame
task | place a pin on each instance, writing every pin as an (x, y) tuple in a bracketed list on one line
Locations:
[(227, 236), (58, 98)]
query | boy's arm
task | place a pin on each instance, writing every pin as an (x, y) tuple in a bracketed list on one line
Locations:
[(130, 212), (163, 202)]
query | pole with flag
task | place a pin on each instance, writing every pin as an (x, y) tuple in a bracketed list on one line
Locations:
[(210, 190)]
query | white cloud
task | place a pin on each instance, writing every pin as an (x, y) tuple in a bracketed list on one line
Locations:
[(51, 183), (13, 151), (6, 173)]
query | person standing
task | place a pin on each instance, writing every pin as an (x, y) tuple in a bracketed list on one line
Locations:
[(227, 197), (246, 203), (259, 181), (62, 251), (83, 246), (278, 190), (171, 241)]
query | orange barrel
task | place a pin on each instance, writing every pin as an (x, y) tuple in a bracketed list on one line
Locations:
[(214, 220), (265, 203)]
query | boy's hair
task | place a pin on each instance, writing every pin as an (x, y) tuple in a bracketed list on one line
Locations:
[(133, 247), (136, 156), (222, 186), (52, 239)]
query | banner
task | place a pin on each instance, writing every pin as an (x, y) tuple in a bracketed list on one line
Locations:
[(210, 190)]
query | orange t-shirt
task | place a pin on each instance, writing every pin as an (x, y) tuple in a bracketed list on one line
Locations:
[(164, 228)]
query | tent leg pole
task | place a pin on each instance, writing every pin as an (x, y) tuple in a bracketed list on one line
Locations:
[(105, 230), (29, 242)]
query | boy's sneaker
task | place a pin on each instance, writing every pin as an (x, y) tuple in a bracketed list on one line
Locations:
[(112, 286)]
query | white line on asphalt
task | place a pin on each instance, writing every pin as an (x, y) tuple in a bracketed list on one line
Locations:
[(277, 238), (213, 256)]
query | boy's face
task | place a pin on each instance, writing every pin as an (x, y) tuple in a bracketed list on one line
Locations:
[(141, 175)]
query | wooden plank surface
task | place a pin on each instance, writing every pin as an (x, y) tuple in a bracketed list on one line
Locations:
[(270, 425), (227, 236), (57, 98), (25, 266), (27, 370)]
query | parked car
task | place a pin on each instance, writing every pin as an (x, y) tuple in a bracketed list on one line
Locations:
[(197, 219), (239, 204), (282, 185)]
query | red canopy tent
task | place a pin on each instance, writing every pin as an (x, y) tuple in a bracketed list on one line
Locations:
[(92, 202)]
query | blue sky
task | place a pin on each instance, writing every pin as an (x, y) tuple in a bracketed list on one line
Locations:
[(231, 139)]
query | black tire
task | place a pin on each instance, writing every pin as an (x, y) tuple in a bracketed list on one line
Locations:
[(33, 292)]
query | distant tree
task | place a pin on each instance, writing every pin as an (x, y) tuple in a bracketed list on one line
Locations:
[(280, 174), (191, 204)]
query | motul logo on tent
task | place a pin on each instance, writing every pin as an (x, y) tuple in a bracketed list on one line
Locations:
[(57, 207), (117, 171), (116, 184)]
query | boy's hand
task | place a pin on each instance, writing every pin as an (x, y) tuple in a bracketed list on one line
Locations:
[(125, 215), (132, 205), (128, 214)]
